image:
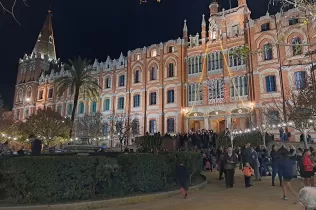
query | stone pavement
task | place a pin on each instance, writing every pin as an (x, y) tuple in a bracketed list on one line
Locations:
[(262, 196)]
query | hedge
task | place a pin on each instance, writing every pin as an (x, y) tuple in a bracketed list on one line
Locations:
[(60, 179), (56, 179), (154, 172), (255, 138)]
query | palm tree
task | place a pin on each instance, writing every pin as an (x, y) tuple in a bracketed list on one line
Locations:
[(78, 81)]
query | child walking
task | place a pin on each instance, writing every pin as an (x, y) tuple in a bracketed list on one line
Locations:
[(248, 171)]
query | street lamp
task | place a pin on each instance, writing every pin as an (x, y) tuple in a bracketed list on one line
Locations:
[(28, 99)]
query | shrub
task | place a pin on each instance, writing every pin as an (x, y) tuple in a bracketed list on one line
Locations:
[(54, 179), (145, 172), (149, 143)]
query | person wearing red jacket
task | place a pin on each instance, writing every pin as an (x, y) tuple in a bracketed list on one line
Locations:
[(308, 168)]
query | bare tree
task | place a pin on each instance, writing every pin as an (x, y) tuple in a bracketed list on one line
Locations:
[(299, 108), (123, 127), (8, 6), (90, 126)]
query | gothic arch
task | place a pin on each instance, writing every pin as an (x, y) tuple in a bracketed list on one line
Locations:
[(264, 37)]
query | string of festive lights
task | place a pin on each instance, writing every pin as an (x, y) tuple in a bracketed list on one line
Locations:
[(264, 127)]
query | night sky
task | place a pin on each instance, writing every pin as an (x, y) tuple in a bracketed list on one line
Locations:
[(98, 28)]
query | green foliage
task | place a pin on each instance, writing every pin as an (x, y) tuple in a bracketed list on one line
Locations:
[(255, 138), (154, 172), (55, 179), (49, 125), (149, 143), (58, 179)]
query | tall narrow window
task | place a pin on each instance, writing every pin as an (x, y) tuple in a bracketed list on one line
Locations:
[(267, 50), (171, 49), (50, 93), (17, 114), (170, 96), (120, 104), (122, 81), (170, 70), (170, 125), (300, 79), (153, 98), (26, 113), (138, 57), (136, 100), (59, 109), (106, 129), (137, 76), (69, 109), (153, 53), (296, 46), (106, 105), (40, 95), (270, 83), (152, 126), (135, 126), (81, 108), (108, 82), (153, 73), (94, 107)]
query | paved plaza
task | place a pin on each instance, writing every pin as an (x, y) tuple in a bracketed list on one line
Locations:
[(262, 196)]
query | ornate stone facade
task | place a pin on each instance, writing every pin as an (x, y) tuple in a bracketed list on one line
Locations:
[(165, 86)]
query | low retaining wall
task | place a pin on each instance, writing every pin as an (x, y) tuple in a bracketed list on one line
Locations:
[(86, 205)]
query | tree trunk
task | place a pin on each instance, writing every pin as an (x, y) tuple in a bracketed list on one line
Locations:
[(74, 110), (305, 138)]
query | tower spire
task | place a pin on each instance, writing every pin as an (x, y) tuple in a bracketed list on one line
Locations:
[(45, 44)]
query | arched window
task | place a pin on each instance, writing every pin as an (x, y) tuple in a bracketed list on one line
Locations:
[(170, 70), (296, 47), (94, 107), (137, 76), (153, 73), (69, 109), (29, 93), (267, 50), (81, 108), (135, 127)]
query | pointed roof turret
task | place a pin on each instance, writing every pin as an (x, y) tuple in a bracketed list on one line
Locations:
[(203, 20), (45, 44), (185, 27)]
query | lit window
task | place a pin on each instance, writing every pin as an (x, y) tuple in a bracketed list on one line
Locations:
[(171, 49), (138, 57), (213, 35), (153, 53)]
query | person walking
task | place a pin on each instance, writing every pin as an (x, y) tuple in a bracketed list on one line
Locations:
[(255, 164), (183, 178), (308, 168), (275, 157), (230, 161)]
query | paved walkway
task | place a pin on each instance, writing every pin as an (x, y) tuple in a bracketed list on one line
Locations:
[(262, 196)]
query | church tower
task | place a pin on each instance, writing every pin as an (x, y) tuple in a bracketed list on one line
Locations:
[(30, 69), (45, 44)]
